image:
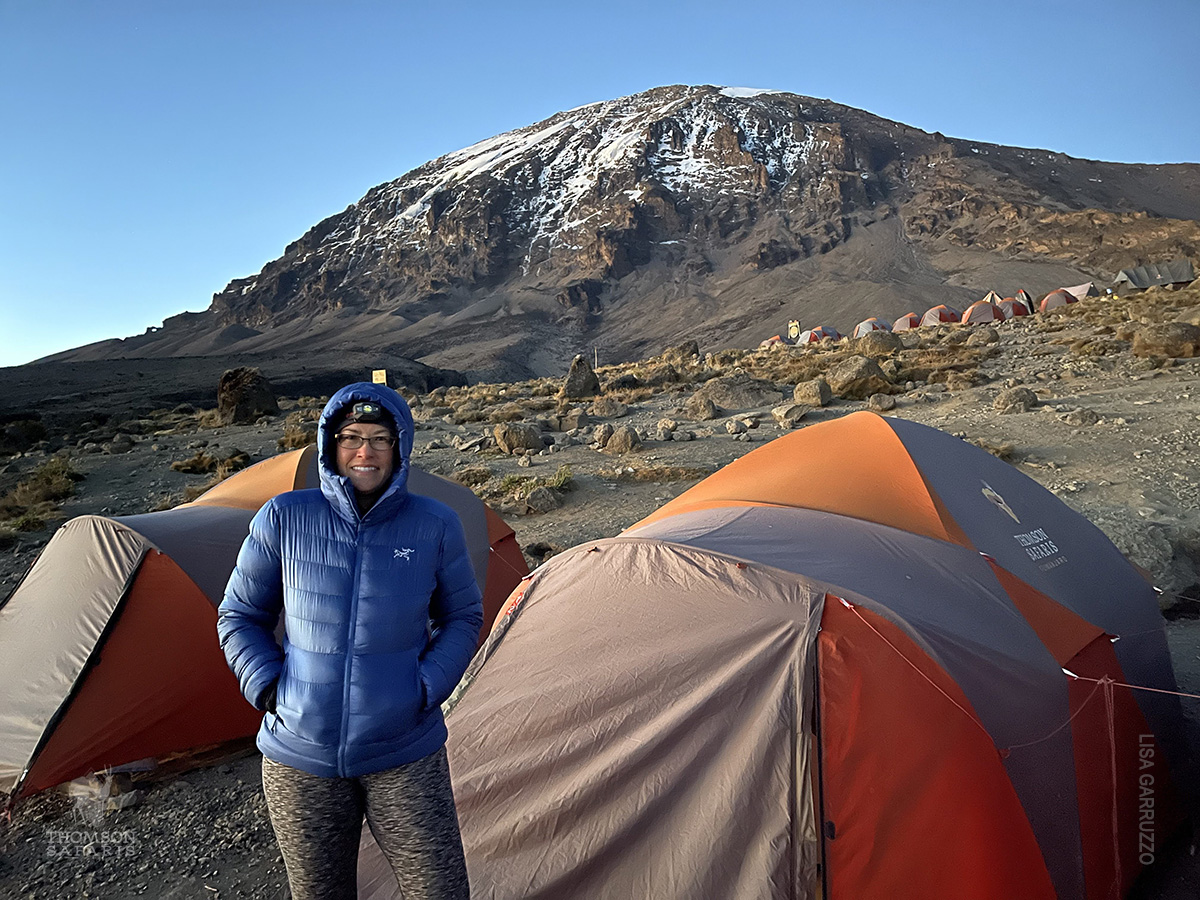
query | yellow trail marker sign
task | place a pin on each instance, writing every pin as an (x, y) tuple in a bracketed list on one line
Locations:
[(379, 376)]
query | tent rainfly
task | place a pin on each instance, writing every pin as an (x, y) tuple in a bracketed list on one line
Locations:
[(1055, 299), (865, 660), (1170, 274), (108, 646), (982, 311), (906, 322), (869, 325), (820, 333), (938, 314)]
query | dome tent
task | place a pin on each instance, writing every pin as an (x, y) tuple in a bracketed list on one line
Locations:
[(835, 667), (868, 325), (938, 314), (108, 647), (907, 322)]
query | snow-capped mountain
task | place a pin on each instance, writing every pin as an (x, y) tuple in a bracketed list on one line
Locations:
[(686, 212)]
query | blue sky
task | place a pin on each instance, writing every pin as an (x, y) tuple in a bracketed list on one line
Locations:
[(150, 151)]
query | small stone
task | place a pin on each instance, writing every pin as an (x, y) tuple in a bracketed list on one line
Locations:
[(1081, 417), (1015, 400), (524, 462), (602, 434), (700, 408), (881, 402), (542, 500), (736, 426), (607, 408)]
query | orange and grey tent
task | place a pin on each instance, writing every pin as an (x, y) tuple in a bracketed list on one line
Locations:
[(939, 314), (820, 333), (1055, 299), (1012, 307), (868, 325), (108, 647), (982, 311), (907, 322), (865, 660)]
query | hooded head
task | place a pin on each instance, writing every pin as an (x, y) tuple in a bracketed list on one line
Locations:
[(373, 409)]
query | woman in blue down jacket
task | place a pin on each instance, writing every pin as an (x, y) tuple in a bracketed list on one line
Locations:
[(381, 616)]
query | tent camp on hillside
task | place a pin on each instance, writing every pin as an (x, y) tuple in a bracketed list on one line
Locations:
[(866, 660), (1172, 274), (108, 648)]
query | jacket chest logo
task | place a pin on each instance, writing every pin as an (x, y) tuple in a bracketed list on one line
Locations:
[(404, 553)]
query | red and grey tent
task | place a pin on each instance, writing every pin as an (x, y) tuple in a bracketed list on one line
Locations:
[(982, 311), (1012, 307), (1055, 299), (938, 314), (907, 322), (108, 647), (820, 333), (868, 325), (865, 660)]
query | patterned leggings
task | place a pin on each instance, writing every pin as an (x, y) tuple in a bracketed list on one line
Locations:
[(410, 810)]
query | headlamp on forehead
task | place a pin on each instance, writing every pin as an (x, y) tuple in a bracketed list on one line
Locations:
[(368, 413)]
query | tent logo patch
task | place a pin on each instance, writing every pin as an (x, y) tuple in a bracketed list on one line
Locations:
[(998, 501)]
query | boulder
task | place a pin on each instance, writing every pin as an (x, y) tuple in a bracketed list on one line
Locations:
[(857, 378), (878, 344), (736, 426), (573, 418), (700, 408), (788, 415), (624, 439), (581, 380), (607, 408), (1081, 417), (684, 354), (815, 393), (1177, 340), (542, 500), (881, 402), (1015, 400), (602, 434), (243, 395), (664, 429), (983, 336), (513, 436), (739, 392)]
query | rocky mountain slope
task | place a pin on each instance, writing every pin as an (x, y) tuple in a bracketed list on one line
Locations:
[(683, 212)]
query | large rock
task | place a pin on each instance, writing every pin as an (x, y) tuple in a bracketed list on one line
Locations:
[(624, 439), (857, 378), (1015, 400), (815, 393), (684, 354), (878, 344), (581, 380), (244, 395), (1179, 340), (700, 408), (513, 436), (788, 415), (607, 408), (733, 392)]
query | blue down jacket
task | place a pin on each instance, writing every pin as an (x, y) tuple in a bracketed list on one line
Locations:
[(381, 615)]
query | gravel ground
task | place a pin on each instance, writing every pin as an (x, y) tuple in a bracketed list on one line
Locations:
[(1133, 467)]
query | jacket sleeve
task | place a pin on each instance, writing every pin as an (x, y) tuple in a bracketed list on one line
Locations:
[(456, 616), (250, 610)]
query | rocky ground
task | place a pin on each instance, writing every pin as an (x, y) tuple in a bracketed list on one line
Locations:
[(1101, 404)]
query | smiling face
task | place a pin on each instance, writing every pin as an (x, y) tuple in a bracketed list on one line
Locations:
[(368, 469)]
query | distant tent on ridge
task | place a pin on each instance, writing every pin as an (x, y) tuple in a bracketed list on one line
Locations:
[(108, 649), (1055, 299), (1012, 307), (1082, 291), (820, 333), (907, 321), (1172, 274), (985, 310), (869, 325), (938, 314)]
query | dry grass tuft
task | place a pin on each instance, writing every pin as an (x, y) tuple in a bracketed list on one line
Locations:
[(36, 498)]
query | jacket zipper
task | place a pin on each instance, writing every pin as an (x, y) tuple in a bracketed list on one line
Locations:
[(353, 620)]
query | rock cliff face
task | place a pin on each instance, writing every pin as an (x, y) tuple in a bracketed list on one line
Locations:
[(689, 212)]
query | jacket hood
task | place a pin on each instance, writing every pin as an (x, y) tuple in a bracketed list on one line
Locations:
[(337, 488)]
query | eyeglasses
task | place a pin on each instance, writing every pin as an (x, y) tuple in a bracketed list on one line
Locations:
[(355, 441)]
